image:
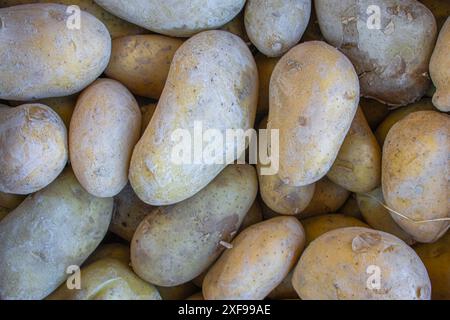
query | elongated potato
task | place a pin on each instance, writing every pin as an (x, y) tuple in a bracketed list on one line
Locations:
[(416, 173), (64, 60), (51, 230), (360, 264), (104, 129), (358, 164), (265, 69), (174, 17), (314, 94), (276, 26), (212, 88), (142, 63), (33, 148), (260, 258)]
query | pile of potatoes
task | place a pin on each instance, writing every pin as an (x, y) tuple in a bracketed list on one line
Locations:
[(91, 94)]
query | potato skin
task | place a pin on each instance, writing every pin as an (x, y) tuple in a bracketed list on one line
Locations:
[(142, 62), (33, 148), (64, 61), (393, 61), (260, 259), (416, 173), (63, 217), (173, 17), (217, 86), (276, 26), (104, 129), (175, 244), (314, 94), (324, 275)]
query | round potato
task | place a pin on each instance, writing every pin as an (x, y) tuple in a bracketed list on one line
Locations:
[(65, 58), (104, 129), (416, 173), (360, 264), (265, 69), (33, 148), (50, 231)]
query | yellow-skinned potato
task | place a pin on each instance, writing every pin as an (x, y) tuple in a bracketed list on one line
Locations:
[(358, 165), (260, 258), (181, 292), (215, 87), (49, 59), (374, 111), (114, 251), (33, 148), (416, 173), (147, 113), (314, 94), (175, 244), (10, 201), (265, 69), (142, 62), (360, 264), (57, 227), (276, 26), (104, 129)]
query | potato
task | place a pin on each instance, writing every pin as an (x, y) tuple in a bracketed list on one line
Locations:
[(374, 111), (64, 60), (180, 292), (33, 148), (173, 17), (3, 212), (379, 217), (142, 62), (416, 173), (351, 209), (360, 264), (253, 216), (175, 244), (436, 257), (314, 94), (276, 26), (265, 68), (237, 26), (147, 113), (51, 230), (114, 251), (215, 87), (440, 69), (104, 129), (391, 58), (358, 164), (10, 201), (260, 258)]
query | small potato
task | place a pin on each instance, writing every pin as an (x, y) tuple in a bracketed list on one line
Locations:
[(416, 173), (114, 251), (142, 63), (374, 111), (181, 292), (343, 265), (265, 66), (253, 216), (58, 227), (260, 258), (358, 164), (275, 26), (104, 129), (43, 58), (147, 114), (314, 94), (10, 201), (33, 148)]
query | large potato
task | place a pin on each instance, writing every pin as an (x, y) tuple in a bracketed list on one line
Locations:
[(275, 26), (260, 258), (391, 58), (42, 57), (214, 87), (142, 63), (33, 148), (104, 129), (51, 230), (175, 244), (314, 94), (416, 173), (174, 17), (360, 264)]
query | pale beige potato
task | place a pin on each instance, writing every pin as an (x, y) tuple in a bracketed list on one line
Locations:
[(416, 175), (440, 69), (104, 129), (265, 68), (212, 88), (147, 113), (10, 201), (43, 58), (142, 62), (260, 258), (314, 95), (57, 227), (33, 148), (344, 264)]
